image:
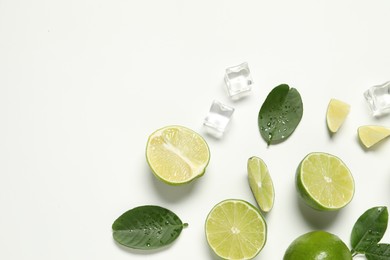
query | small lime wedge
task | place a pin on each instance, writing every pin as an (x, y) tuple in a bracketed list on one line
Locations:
[(235, 229), (177, 155), (260, 183), (371, 134), (336, 114), (324, 182)]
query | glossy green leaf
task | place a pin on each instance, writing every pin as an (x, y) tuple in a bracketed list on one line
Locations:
[(378, 252), (280, 114), (369, 229), (147, 227)]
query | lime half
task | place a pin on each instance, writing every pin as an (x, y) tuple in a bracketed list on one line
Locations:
[(177, 155), (336, 114), (324, 182), (260, 183), (235, 229), (370, 135)]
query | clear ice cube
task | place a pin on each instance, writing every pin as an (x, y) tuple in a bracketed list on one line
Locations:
[(378, 99), (238, 81), (218, 118)]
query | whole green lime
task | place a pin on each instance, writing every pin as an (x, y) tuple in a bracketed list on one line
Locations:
[(317, 245)]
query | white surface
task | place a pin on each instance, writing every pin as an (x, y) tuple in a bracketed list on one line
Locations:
[(83, 83)]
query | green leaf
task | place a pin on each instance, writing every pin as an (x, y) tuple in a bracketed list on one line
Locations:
[(369, 229), (280, 114), (378, 252), (147, 227)]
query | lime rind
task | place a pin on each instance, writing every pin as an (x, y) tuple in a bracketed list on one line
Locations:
[(261, 183), (323, 194), (225, 225), (177, 155), (317, 244)]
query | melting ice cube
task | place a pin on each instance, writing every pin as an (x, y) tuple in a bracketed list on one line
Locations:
[(218, 118), (378, 99), (238, 81)]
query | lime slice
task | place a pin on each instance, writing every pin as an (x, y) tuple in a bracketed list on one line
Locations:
[(324, 182), (261, 183), (236, 229), (177, 155), (371, 134), (336, 114)]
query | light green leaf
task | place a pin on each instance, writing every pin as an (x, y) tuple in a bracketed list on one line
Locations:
[(280, 114), (378, 252), (369, 229), (147, 227)]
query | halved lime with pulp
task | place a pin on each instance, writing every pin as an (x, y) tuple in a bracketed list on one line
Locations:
[(324, 181), (177, 154), (235, 229)]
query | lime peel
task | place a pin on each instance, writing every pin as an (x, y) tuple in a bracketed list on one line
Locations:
[(317, 245)]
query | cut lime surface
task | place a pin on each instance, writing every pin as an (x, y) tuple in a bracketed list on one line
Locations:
[(336, 114), (260, 183), (324, 181), (235, 229), (317, 245), (177, 155), (370, 135)]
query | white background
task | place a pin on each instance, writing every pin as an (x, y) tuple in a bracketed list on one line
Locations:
[(84, 82)]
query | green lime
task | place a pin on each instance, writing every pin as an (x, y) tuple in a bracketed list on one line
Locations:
[(317, 245), (177, 155), (324, 182), (235, 229), (260, 183)]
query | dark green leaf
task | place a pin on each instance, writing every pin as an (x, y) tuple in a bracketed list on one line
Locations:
[(147, 227), (369, 229), (280, 114), (378, 252)]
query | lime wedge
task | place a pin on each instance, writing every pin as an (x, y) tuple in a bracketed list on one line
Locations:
[(371, 134), (324, 182), (260, 183), (336, 114), (235, 229), (177, 155)]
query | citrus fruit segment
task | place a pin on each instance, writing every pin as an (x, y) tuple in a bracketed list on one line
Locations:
[(336, 114), (260, 183), (324, 181), (177, 155), (317, 245), (371, 134), (235, 229)]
